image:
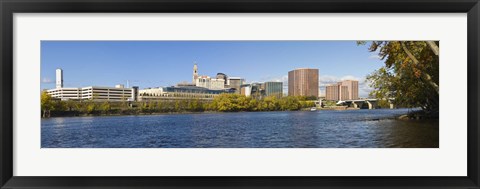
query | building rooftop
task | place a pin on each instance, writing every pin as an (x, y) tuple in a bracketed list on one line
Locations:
[(306, 68)]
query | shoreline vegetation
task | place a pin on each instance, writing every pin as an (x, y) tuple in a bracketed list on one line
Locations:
[(222, 103)]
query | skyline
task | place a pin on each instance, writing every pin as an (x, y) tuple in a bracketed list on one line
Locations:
[(166, 63)]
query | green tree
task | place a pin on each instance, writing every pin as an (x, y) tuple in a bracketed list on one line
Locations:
[(252, 104), (145, 107), (410, 74), (71, 105), (177, 105), (106, 107), (262, 105), (292, 103), (271, 103), (91, 107), (46, 104), (160, 106), (59, 106)]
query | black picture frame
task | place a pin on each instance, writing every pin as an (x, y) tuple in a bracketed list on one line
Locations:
[(9, 7)]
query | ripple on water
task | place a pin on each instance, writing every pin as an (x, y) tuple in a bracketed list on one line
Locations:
[(301, 129)]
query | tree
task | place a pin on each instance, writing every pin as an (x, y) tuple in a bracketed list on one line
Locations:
[(106, 107), (46, 104), (292, 103), (252, 104), (91, 107), (145, 107), (410, 74)]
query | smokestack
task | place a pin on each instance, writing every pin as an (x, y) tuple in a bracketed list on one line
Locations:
[(59, 78)]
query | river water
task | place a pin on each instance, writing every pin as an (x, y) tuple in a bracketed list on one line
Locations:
[(299, 129)]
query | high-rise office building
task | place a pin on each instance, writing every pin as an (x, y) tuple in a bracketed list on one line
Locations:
[(303, 82), (273, 88)]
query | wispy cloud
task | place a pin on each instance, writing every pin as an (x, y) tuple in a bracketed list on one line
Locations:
[(374, 56), (364, 88), (47, 80), (283, 78)]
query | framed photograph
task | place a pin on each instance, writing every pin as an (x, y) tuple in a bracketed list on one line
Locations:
[(228, 94)]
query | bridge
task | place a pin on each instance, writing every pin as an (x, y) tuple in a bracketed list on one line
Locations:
[(371, 103)]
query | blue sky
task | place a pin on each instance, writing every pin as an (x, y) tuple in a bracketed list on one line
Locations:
[(165, 63)]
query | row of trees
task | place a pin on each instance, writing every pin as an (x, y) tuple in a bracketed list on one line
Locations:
[(221, 103), (235, 102)]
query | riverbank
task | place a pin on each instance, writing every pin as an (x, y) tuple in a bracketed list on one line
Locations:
[(419, 115)]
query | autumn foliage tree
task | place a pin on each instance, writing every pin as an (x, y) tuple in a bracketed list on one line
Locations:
[(410, 74)]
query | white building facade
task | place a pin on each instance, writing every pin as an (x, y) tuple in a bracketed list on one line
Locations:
[(210, 83), (65, 93), (94, 93)]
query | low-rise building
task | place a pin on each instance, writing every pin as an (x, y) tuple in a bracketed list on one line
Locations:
[(246, 89), (273, 88), (65, 93), (118, 93), (166, 93), (235, 83)]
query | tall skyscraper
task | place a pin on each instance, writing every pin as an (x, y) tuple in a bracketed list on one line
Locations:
[(195, 73), (303, 82), (59, 78)]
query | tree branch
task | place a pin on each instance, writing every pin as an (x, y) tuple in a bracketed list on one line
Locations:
[(409, 54), (433, 46), (415, 61)]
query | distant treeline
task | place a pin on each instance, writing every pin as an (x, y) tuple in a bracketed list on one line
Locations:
[(221, 103)]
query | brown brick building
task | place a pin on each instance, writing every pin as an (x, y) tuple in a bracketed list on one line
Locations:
[(352, 88), (344, 90), (303, 82), (336, 92)]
